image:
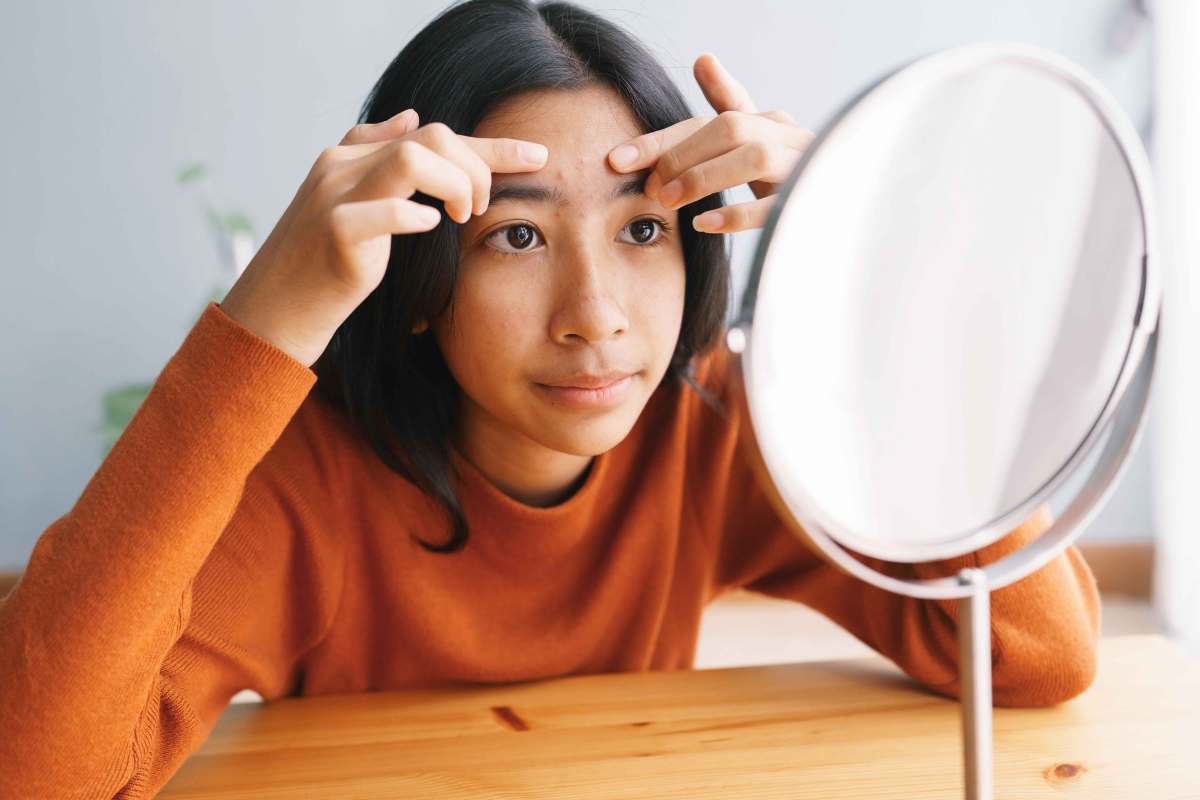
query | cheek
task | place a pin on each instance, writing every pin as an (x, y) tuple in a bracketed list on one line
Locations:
[(659, 299), (491, 324)]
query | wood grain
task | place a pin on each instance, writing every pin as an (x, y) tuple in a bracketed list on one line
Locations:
[(844, 729)]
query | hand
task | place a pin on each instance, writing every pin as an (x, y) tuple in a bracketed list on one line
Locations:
[(704, 155), (330, 248)]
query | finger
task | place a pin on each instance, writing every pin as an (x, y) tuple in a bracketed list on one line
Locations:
[(643, 151), (480, 158), (739, 217), (508, 155), (498, 155), (407, 166), (729, 131), (779, 115), (501, 155), (363, 220), (397, 125), (442, 140), (721, 89), (755, 161)]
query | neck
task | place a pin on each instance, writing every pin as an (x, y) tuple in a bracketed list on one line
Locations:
[(523, 469)]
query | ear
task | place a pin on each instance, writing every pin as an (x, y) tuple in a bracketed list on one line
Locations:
[(420, 327)]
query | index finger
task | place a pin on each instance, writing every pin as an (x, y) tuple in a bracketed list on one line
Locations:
[(501, 155), (643, 151), (395, 126), (508, 155), (722, 91)]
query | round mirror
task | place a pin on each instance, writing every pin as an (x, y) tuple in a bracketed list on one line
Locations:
[(950, 294), (952, 316)]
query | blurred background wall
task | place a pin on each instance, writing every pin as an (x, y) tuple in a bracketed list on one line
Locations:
[(109, 259)]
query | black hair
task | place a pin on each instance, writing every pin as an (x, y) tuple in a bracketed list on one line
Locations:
[(393, 385)]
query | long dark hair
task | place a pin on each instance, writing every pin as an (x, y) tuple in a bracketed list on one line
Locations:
[(394, 386)]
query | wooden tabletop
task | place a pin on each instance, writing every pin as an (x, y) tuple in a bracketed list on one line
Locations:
[(828, 730)]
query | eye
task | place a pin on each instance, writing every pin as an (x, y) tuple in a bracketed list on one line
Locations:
[(646, 231), (513, 239)]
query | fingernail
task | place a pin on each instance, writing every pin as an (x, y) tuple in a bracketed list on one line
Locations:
[(670, 193), (409, 117), (623, 156), (709, 220), (532, 152)]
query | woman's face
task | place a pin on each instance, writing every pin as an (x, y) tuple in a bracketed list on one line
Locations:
[(571, 273)]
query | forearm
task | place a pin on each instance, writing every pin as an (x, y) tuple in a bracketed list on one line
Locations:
[(106, 592), (1044, 627)]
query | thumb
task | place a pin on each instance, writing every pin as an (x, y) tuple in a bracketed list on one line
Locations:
[(721, 89)]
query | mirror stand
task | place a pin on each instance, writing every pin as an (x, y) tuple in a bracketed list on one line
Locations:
[(974, 608), (975, 682)]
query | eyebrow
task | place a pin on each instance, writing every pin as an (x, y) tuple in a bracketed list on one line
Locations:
[(536, 193)]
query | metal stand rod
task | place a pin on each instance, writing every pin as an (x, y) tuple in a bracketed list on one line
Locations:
[(975, 680)]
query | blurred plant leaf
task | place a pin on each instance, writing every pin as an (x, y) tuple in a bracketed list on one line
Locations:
[(237, 222), (119, 405), (191, 172)]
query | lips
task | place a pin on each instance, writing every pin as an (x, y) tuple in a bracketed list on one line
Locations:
[(585, 380), (607, 390)]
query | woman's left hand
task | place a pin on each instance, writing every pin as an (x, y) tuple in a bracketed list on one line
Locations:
[(703, 155)]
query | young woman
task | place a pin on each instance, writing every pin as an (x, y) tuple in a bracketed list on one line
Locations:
[(520, 462)]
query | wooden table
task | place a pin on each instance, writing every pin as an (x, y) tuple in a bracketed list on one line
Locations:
[(838, 729)]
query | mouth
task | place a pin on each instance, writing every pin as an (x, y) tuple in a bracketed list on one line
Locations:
[(602, 392)]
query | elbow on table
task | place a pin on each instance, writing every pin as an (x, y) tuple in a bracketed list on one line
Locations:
[(1048, 681)]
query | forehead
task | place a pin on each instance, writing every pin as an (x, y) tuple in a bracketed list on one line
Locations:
[(578, 126)]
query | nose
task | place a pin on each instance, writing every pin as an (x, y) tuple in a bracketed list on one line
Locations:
[(590, 309)]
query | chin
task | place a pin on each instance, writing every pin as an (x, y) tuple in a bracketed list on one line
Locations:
[(588, 437)]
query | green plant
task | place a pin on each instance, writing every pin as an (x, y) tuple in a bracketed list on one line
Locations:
[(233, 236)]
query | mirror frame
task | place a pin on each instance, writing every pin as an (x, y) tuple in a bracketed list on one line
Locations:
[(1122, 415)]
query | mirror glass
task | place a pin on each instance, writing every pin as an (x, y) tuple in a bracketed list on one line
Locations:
[(947, 295)]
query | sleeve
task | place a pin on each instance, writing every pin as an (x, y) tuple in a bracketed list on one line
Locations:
[(181, 575), (1045, 627)]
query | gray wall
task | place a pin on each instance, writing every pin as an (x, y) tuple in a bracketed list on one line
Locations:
[(108, 261)]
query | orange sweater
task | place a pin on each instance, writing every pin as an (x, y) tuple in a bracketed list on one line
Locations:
[(240, 535)]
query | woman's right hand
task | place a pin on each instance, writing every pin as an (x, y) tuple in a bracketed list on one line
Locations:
[(330, 248)]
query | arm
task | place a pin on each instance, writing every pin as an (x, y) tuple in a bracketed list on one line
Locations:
[(105, 671), (115, 657), (1045, 627)]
